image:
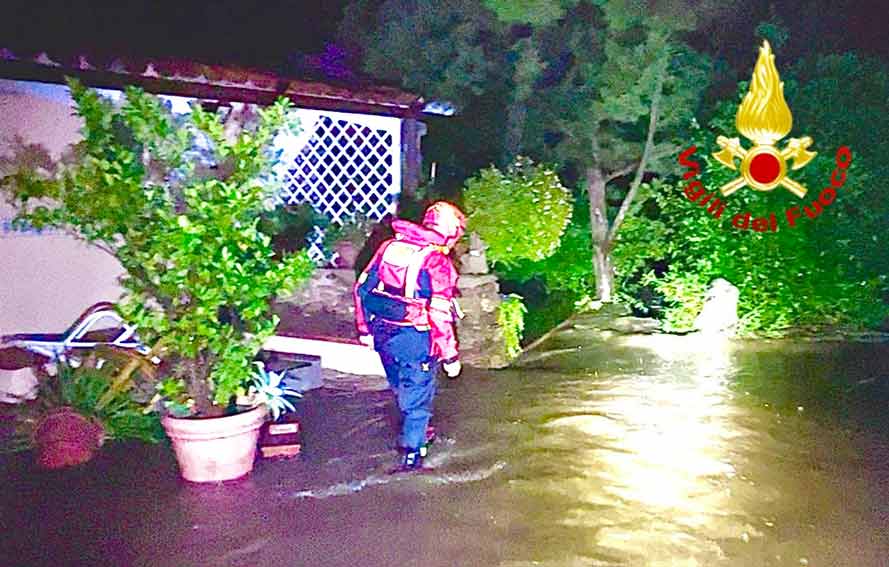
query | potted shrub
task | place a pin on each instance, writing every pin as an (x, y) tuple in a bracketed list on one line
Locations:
[(279, 437), (177, 199), (224, 448)]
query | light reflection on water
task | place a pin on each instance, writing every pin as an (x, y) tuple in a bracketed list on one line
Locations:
[(657, 463), (652, 453)]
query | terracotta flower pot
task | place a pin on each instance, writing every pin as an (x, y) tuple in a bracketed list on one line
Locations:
[(65, 438), (216, 448)]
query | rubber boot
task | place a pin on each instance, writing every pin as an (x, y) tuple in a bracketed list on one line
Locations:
[(412, 460)]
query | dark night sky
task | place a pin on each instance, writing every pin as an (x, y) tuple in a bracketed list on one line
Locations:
[(823, 25), (266, 32), (260, 33)]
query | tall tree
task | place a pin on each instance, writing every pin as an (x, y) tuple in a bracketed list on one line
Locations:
[(459, 50), (627, 88), (454, 51), (450, 50), (607, 78), (526, 18)]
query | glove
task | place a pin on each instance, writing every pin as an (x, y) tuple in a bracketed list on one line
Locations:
[(452, 369), (366, 340)]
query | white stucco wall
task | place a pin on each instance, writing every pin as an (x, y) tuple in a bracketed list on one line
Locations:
[(46, 280)]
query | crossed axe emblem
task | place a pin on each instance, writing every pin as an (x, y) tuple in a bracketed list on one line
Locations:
[(764, 167)]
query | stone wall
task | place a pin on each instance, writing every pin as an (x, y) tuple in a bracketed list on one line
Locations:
[(324, 307), (481, 340), (329, 289)]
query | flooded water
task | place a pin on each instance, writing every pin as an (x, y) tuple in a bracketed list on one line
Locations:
[(649, 451)]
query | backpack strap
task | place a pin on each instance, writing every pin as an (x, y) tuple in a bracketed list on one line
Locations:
[(411, 280)]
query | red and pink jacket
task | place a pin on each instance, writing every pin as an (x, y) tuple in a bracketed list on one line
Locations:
[(411, 281)]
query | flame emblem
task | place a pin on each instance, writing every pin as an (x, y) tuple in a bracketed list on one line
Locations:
[(764, 118)]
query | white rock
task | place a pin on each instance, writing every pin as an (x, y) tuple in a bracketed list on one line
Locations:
[(720, 313), (17, 386)]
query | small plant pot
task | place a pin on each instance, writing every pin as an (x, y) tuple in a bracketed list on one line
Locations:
[(65, 438), (346, 254), (214, 449)]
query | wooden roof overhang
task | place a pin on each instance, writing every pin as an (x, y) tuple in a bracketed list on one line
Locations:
[(209, 82)]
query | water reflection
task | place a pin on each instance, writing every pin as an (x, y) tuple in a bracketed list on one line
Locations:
[(635, 452), (674, 457), (653, 455)]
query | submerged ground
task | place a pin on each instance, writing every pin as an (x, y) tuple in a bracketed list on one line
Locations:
[(651, 450)]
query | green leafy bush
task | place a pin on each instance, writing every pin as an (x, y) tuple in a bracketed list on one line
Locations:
[(291, 226), (520, 214), (354, 229), (684, 295), (567, 274), (568, 269), (552, 286), (177, 200), (511, 319), (84, 388)]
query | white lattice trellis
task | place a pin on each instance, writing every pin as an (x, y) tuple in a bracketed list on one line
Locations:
[(342, 164)]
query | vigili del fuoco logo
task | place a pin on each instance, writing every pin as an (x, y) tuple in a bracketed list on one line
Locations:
[(764, 119)]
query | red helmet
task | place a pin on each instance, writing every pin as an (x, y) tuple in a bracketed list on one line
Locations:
[(445, 219)]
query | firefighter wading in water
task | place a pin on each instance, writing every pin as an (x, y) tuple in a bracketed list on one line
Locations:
[(404, 308)]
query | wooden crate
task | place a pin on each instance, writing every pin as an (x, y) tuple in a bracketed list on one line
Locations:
[(281, 438)]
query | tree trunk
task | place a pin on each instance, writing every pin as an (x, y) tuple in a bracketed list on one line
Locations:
[(599, 230), (604, 272), (653, 115), (197, 386), (604, 234), (515, 128)]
